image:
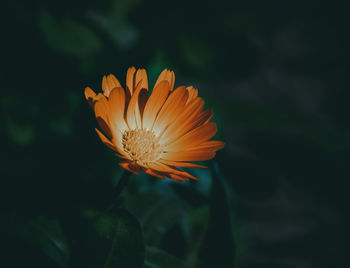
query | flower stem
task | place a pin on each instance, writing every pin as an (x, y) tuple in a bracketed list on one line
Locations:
[(123, 181)]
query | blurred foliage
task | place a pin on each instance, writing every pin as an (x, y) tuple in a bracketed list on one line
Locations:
[(220, 228), (275, 74), (69, 37), (124, 232), (44, 235), (159, 258)]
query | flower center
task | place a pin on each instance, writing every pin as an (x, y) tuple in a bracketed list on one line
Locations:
[(142, 146)]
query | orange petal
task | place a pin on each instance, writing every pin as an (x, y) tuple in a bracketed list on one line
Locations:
[(177, 177), (117, 107), (130, 167), (133, 115), (141, 76), (181, 164), (89, 93), (169, 169), (194, 155), (202, 118), (102, 113), (171, 109), (154, 173), (90, 96), (133, 78), (192, 138), (122, 156), (109, 83), (166, 75), (130, 80), (195, 120), (155, 103), (193, 93), (184, 122), (209, 145), (106, 141), (206, 116), (143, 97)]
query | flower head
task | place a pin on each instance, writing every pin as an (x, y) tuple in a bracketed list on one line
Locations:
[(155, 133)]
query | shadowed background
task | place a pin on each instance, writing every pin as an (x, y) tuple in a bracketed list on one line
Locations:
[(275, 74)]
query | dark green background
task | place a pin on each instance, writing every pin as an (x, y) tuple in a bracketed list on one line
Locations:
[(276, 75)]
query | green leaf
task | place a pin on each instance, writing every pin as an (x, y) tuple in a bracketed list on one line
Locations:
[(69, 37), (268, 265), (44, 234), (115, 23), (194, 226), (124, 233), (218, 246), (157, 258), (196, 52), (155, 214), (21, 134)]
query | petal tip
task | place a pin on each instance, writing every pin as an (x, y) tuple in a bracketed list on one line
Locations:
[(89, 93)]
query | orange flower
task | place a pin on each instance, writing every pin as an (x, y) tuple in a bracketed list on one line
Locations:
[(158, 133)]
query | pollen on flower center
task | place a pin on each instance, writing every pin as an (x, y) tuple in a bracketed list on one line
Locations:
[(142, 146)]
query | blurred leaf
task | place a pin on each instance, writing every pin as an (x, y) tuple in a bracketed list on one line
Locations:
[(156, 258), (189, 194), (279, 120), (21, 134), (157, 213), (44, 234), (268, 265), (243, 21), (115, 23), (218, 246), (69, 37), (124, 232), (195, 223), (196, 52), (121, 33), (194, 227), (49, 237), (62, 125)]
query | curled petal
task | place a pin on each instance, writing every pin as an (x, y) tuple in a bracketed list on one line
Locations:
[(91, 97), (166, 75), (192, 93), (133, 78), (141, 77), (109, 83), (130, 80)]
